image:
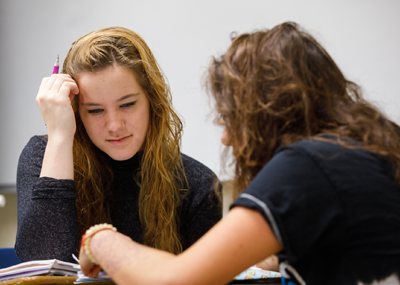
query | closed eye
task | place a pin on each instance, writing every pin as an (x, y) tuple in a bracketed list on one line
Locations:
[(95, 111), (221, 120), (128, 104)]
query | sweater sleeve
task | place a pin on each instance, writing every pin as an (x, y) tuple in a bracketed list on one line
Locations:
[(201, 208), (47, 219)]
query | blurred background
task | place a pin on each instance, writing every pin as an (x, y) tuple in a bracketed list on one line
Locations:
[(362, 36)]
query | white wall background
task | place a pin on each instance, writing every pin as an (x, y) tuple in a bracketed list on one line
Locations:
[(363, 36)]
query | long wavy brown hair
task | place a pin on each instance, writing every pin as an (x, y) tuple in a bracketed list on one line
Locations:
[(278, 86), (161, 173)]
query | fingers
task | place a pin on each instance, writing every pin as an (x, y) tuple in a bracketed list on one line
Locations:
[(68, 90), (56, 77), (57, 87), (43, 83), (54, 100), (48, 82), (57, 83), (94, 271), (88, 268)]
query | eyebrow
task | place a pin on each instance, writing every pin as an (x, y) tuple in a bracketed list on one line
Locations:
[(119, 100)]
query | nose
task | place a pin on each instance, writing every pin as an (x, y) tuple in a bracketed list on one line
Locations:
[(225, 138), (115, 122)]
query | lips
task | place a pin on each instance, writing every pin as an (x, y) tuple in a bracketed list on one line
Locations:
[(119, 141)]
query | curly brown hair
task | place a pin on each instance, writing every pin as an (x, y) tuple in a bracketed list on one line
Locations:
[(278, 86), (161, 176)]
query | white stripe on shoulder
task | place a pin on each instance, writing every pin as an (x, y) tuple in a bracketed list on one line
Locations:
[(267, 213)]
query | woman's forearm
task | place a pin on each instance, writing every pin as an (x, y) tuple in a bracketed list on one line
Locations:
[(58, 160), (234, 244), (129, 262), (54, 101)]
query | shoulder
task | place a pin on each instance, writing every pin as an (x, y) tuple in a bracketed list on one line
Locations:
[(291, 177), (37, 141), (201, 197), (293, 167), (329, 149), (201, 180), (337, 159), (313, 147), (31, 157), (296, 197), (35, 146), (196, 171)]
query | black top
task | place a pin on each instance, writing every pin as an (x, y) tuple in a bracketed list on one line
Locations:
[(336, 212), (47, 220)]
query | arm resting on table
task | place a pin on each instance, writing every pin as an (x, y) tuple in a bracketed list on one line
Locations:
[(237, 242)]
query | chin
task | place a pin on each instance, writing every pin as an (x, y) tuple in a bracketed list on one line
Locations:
[(121, 156)]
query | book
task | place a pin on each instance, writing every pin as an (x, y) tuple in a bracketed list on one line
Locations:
[(52, 267)]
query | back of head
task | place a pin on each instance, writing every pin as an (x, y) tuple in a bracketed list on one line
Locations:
[(278, 86)]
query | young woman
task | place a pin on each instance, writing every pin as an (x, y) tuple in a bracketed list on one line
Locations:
[(317, 166), (112, 154)]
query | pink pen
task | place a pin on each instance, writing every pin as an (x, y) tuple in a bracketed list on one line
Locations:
[(55, 71), (56, 66)]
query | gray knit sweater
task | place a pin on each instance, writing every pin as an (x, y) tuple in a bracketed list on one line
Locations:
[(47, 219)]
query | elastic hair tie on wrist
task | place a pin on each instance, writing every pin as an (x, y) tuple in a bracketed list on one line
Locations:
[(87, 237)]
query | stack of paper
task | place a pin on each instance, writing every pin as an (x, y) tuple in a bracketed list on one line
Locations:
[(39, 267)]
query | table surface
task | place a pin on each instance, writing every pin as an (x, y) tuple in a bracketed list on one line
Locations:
[(49, 280), (61, 280)]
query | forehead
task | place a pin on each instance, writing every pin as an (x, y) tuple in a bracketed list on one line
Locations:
[(111, 83)]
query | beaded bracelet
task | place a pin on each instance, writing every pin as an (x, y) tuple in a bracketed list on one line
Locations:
[(87, 237)]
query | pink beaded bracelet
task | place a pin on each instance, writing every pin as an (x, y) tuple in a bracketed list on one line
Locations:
[(87, 237)]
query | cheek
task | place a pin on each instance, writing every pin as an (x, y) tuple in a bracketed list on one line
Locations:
[(92, 126), (142, 124), (144, 118), (84, 120)]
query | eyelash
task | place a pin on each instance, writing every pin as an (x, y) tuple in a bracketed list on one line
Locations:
[(221, 120), (126, 105), (95, 111)]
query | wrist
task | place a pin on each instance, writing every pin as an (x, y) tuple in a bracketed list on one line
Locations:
[(60, 138), (87, 237), (58, 161)]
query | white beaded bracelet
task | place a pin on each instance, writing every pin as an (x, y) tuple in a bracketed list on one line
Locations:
[(87, 237)]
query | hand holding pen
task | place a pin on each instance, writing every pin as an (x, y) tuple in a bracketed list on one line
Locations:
[(55, 69), (54, 101)]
